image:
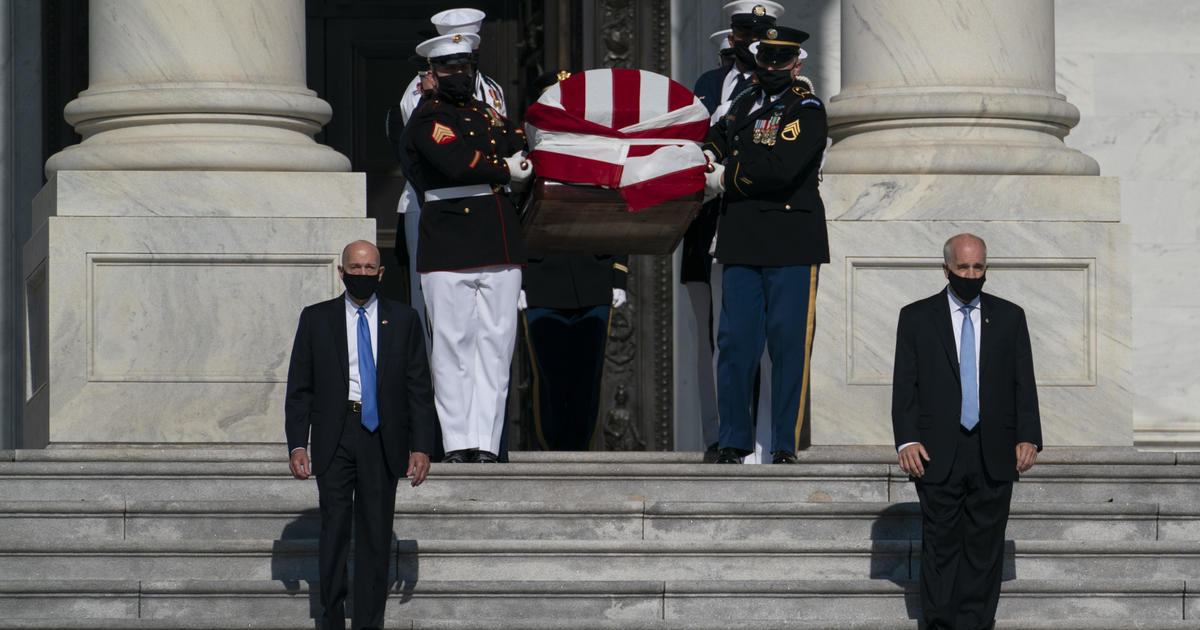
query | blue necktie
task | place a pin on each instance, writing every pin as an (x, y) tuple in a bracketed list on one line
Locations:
[(966, 372), (366, 373)]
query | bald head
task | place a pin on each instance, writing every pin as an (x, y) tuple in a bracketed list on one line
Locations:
[(360, 253), (965, 255)]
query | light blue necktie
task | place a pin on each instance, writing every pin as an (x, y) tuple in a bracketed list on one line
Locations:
[(966, 372), (366, 373)]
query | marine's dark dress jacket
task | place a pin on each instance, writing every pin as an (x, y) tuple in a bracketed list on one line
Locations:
[(569, 281), (772, 213), (460, 144)]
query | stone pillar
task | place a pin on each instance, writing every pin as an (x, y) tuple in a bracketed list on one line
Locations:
[(948, 122), (173, 249), (210, 85), (950, 86)]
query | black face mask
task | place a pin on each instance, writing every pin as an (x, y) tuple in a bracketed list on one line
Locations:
[(458, 87), (967, 289), (741, 50), (360, 287), (773, 81)]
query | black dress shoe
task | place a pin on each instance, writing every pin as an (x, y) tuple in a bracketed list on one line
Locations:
[(729, 455), (457, 457), (711, 453), (485, 457), (783, 457)]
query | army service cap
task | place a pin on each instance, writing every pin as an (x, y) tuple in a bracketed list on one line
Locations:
[(779, 44)]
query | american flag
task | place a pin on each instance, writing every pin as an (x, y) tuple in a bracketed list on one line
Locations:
[(632, 130)]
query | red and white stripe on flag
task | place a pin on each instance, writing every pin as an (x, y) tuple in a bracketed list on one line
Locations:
[(632, 130)]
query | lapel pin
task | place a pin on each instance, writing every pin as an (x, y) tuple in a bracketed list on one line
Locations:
[(383, 323), (985, 320)]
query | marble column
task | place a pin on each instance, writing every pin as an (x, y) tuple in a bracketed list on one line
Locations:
[(951, 86), (215, 84), (949, 121), (173, 249)]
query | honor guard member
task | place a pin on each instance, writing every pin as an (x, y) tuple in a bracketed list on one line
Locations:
[(446, 22), (771, 239), (696, 269), (567, 303), (462, 156)]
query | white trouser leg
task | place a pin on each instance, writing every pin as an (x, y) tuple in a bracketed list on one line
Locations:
[(496, 330), (700, 297), (451, 305), (411, 210)]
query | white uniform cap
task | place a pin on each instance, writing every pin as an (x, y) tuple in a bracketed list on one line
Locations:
[(720, 39), (445, 45), (458, 21), (772, 9)]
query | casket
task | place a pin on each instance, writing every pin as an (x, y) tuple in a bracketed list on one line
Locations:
[(618, 166), (577, 218)]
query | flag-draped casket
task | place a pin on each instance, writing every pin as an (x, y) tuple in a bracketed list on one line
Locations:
[(617, 157)]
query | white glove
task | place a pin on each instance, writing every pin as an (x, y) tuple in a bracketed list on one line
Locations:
[(520, 170), (522, 303), (713, 184), (619, 298), (710, 156)]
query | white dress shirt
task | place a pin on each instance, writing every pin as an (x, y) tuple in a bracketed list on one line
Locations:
[(372, 311)]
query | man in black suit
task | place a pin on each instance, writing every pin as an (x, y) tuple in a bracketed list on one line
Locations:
[(771, 240), (965, 420), (359, 380)]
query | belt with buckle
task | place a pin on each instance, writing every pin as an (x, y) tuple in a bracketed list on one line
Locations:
[(354, 405)]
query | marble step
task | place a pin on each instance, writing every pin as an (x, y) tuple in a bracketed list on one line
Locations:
[(1164, 482), (820, 454), (587, 624), (1023, 602), (571, 560), (116, 519)]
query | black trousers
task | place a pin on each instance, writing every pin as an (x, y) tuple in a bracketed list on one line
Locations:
[(567, 355), (962, 542), (358, 488)]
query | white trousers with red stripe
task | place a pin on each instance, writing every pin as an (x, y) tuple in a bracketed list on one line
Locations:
[(473, 315)]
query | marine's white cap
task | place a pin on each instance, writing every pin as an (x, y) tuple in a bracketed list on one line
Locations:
[(446, 45), (753, 7), (720, 39), (458, 21)]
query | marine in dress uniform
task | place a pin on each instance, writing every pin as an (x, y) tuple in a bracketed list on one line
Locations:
[(487, 90), (462, 154), (771, 240)]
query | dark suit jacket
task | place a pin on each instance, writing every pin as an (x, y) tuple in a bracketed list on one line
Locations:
[(772, 214), (708, 87), (927, 393), (319, 382), (570, 281)]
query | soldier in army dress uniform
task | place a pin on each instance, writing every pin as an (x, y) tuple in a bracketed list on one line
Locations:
[(771, 238), (463, 157), (715, 88)]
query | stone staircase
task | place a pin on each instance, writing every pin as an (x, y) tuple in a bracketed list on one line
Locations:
[(205, 538)]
